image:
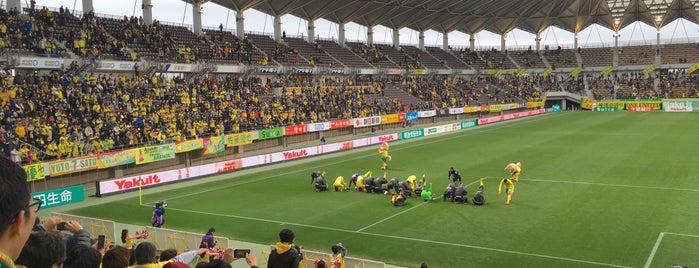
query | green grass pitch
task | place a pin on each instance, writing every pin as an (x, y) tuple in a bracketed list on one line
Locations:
[(596, 190)]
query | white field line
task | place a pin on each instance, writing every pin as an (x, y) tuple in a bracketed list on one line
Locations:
[(618, 185), (405, 210), (406, 238), (657, 244), (411, 144)]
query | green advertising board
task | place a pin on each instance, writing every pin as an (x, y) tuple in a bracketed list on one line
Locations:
[(61, 196), (411, 134), (468, 124), (270, 133), (605, 109)]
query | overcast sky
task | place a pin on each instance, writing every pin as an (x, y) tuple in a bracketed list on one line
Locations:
[(177, 11)]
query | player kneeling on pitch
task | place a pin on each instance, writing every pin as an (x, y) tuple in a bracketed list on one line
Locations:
[(379, 184), (406, 188), (340, 184), (398, 198), (369, 184), (460, 195), (319, 179), (479, 199), (449, 192)]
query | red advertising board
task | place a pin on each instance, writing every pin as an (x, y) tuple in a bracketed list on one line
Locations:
[(295, 130), (343, 123), (640, 109)]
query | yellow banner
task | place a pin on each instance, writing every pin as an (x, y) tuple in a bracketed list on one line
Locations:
[(498, 73), (534, 104), (608, 70), (186, 146), (35, 172), (495, 108), (389, 119), (490, 71), (72, 165), (512, 71), (649, 69), (214, 144), (587, 104), (625, 104), (238, 139), (419, 71), (118, 158), (521, 73), (471, 109), (693, 68), (576, 71), (547, 72), (151, 154)]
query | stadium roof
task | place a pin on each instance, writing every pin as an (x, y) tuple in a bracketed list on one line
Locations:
[(473, 16)]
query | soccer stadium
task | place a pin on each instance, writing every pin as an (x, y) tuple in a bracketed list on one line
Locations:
[(148, 143)]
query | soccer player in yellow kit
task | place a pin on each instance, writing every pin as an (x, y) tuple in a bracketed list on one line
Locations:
[(383, 151), (411, 179), (339, 184), (509, 189), (515, 169)]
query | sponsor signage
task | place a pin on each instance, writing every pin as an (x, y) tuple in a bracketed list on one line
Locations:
[(61, 196), (442, 129), (411, 134), (469, 124), (115, 65), (270, 133), (472, 109), (430, 113), (268, 70), (456, 110), (229, 68), (641, 109), (39, 63), (295, 130), (177, 68), (499, 118), (342, 123), (393, 71), (677, 106), (366, 121), (337, 71), (315, 127), (411, 116), (392, 118), (304, 71), (605, 109), (72, 165)]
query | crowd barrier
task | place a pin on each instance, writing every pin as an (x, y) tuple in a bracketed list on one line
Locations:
[(94, 226)]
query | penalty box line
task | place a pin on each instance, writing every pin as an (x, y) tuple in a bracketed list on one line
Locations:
[(405, 238), (657, 245)]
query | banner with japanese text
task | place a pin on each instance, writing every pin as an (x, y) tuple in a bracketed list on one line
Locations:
[(118, 158), (151, 154), (392, 118), (342, 123), (35, 172), (238, 139), (190, 145), (295, 130)]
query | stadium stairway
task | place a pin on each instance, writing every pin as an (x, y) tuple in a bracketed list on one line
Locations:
[(394, 92)]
